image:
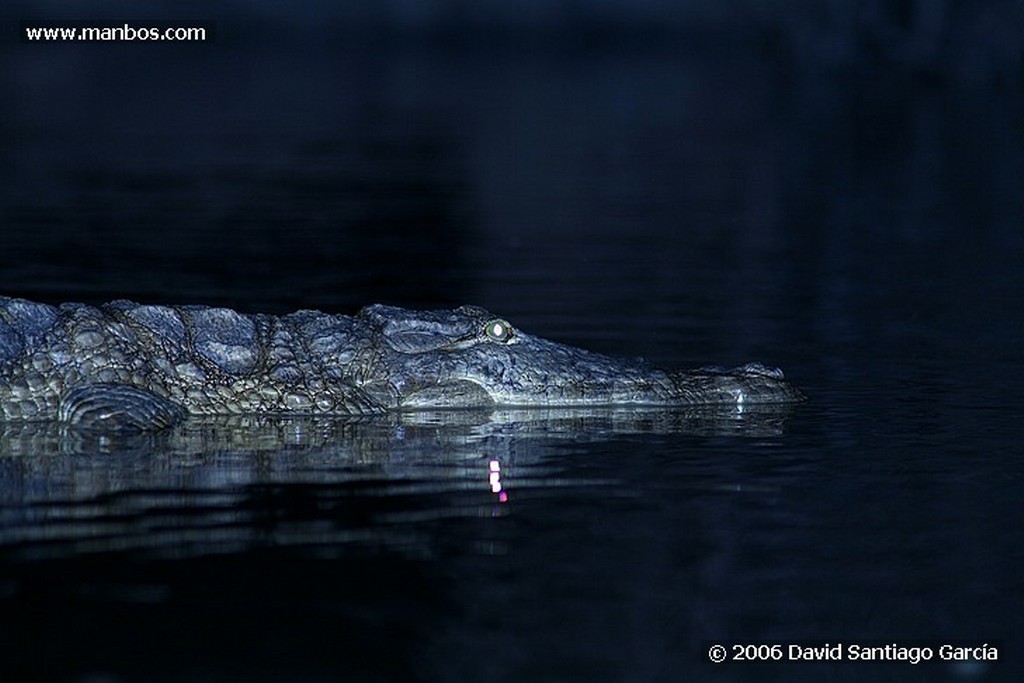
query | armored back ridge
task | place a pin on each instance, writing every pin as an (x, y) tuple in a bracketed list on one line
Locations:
[(132, 366)]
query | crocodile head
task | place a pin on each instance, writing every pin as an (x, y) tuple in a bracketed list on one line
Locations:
[(468, 357)]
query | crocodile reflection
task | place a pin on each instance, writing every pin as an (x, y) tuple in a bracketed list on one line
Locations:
[(234, 479)]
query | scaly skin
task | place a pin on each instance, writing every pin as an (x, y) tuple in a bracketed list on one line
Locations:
[(126, 365)]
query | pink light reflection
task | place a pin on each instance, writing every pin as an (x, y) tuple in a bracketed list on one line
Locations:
[(494, 479)]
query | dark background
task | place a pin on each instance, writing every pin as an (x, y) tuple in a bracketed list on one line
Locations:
[(606, 165), (834, 187)]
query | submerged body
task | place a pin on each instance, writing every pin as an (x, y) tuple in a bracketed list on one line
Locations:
[(127, 365)]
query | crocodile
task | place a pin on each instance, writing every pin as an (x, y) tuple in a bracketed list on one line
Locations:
[(129, 366)]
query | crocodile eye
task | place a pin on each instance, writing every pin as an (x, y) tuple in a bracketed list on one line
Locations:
[(498, 330)]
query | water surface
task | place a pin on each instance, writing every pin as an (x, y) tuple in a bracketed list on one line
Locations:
[(861, 230)]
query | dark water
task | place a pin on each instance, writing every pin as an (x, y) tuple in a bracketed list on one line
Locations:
[(860, 227)]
